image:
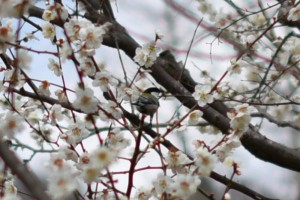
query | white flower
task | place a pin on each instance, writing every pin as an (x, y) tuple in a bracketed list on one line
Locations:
[(113, 109), (85, 100), (48, 30), (294, 13), (61, 95), (76, 133), (56, 11), (104, 79), (143, 193), (177, 161), (92, 36), (87, 67), (236, 66), (90, 173), (226, 148), (14, 8), (55, 67), (240, 117), (205, 161), (48, 15), (103, 157), (116, 140), (11, 124), (73, 27), (15, 77), (44, 88), (185, 185), (10, 188), (68, 154), (6, 35), (65, 50), (146, 55), (258, 19), (62, 183), (56, 113), (241, 123), (294, 46), (202, 95), (162, 184), (130, 94), (195, 117), (24, 59)]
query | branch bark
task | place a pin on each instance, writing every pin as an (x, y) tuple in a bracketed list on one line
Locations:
[(29, 179)]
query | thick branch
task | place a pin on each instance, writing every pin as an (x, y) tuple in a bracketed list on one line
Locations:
[(30, 180)]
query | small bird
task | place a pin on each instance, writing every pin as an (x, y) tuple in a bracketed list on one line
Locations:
[(147, 103)]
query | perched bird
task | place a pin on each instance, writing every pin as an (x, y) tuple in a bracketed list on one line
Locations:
[(147, 103)]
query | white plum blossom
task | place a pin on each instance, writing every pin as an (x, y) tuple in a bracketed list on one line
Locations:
[(162, 184), (61, 95), (44, 88), (62, 177), (15, 77), (87, 67), (130, 94), (202, 95), (185, 185), (103, 156), (143, 193), (146, 55), (56, 113), (205, 161), (65, 51), (237, 66), (6, 35), (293, 46), (116, 140), (92, 36), (294, 13), (68, 154), (85, 100), (103, 79), (24, 59), (48, 30), (76, 133), (14, 8), (225, 149), (62, 184), (240, 117), (111, 108), (11, 125), (55, 67), (177, 161), (74, 25), (55, 11), (10, 188), (195, 117)]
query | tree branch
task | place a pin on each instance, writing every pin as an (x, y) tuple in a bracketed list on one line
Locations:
[(29, 179)]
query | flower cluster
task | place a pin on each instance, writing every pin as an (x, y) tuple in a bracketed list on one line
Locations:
[(182, 186), (240, 118), (146, 55), (85, 100), (294, 13)]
